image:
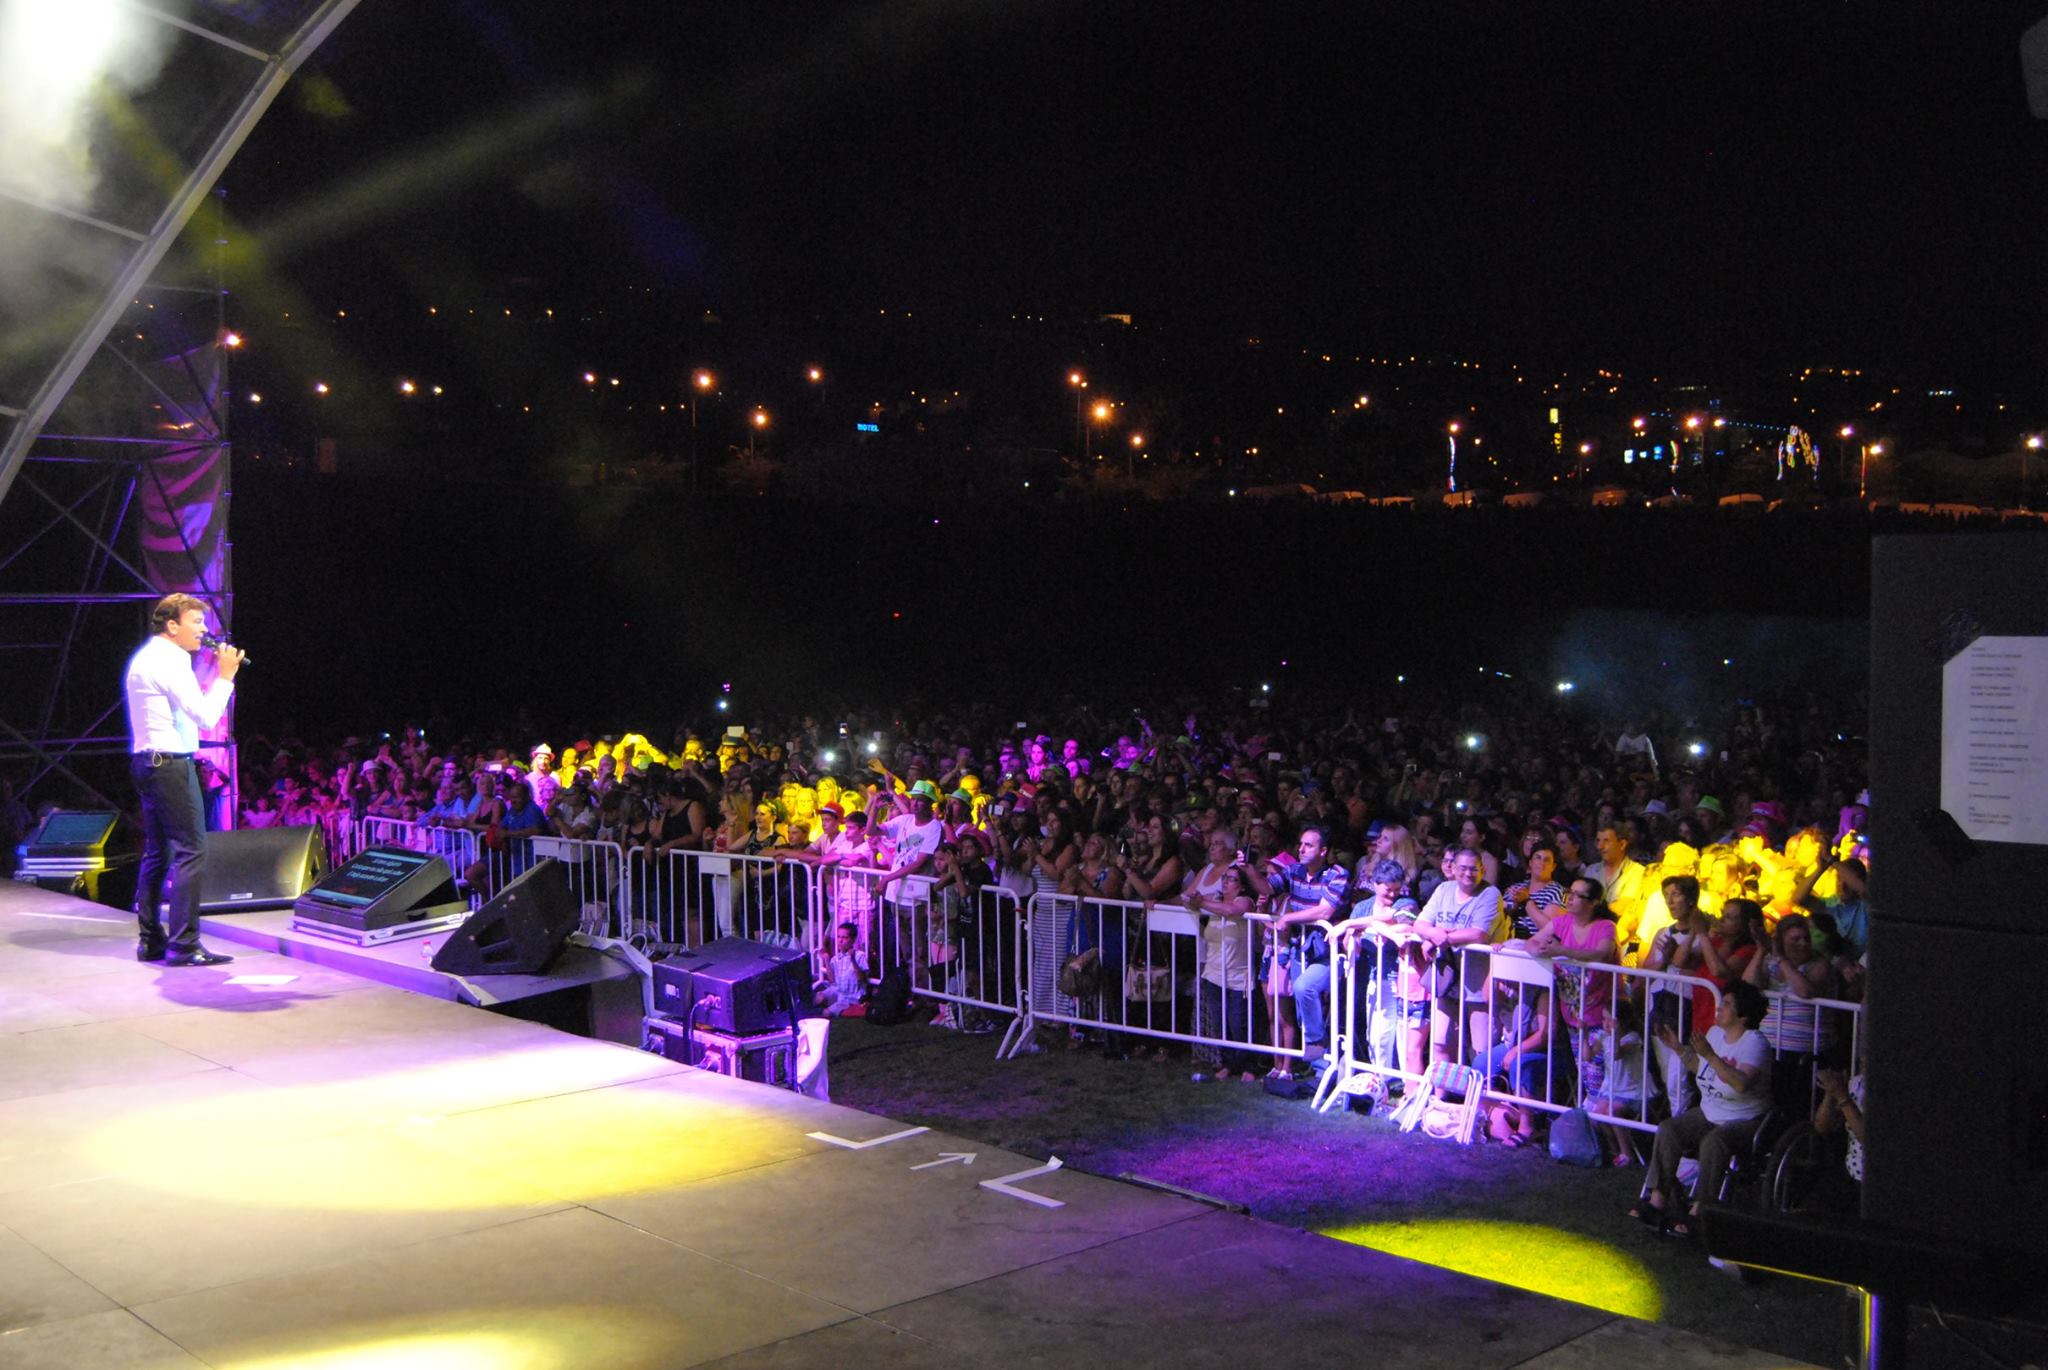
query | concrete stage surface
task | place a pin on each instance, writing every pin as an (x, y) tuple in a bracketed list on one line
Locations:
[(197, 1168)]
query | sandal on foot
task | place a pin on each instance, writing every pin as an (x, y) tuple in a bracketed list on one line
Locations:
[(1649, 1215)]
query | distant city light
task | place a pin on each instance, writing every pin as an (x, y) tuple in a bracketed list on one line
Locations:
[(319, 387), (437, 390), (760, 419), (1565, 687), (590, 378), (1697, 748), (231, 340), (721, 706), (1101, 410), (1473, 742), (2034, 443), (702, 379), (814, 375), (407, 388), (867, 428), (1137, 439), (1641, 424), (255, 398)]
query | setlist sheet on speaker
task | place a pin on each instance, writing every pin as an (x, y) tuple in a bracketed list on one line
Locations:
[(1994, 739)]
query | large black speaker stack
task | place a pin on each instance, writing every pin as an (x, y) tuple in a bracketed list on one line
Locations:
[(1957, 1141), (735, 986)]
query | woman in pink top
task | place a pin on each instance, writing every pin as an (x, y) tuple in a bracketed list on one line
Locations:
[(1585, 931)]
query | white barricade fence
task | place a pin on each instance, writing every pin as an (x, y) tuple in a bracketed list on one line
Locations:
[(342, 834), (1548, 1033), (597, 875), (1808, 1036), (688, 898), (965, 951), (1139, 971)]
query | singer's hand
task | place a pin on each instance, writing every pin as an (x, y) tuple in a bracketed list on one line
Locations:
[(227, 660)]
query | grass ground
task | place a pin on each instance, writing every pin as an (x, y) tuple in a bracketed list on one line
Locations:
[(1510, 1215)]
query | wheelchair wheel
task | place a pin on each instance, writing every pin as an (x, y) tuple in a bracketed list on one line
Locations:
[(1796, 1163)]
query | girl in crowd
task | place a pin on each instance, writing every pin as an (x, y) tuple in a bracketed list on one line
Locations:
[(1536, 900), (1794, 972), (1220, 894)]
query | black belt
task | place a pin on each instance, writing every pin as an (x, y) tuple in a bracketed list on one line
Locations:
[(157, 759)]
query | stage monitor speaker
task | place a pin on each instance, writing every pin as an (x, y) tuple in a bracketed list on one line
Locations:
[(734, 985), (261, 868), (521, 931)]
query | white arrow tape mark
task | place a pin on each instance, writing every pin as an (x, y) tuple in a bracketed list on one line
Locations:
[(872, 1141), (1007, 1183), (947, 1158)]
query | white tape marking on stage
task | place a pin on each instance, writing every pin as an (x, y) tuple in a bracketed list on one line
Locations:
[(261, 979), (872, 1141), (1005, 1185), (947, 1158), (66, 917)]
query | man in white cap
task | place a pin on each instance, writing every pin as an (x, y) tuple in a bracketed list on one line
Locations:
[(915, 837)]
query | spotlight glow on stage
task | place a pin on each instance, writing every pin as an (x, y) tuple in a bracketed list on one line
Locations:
[(1542, 1260)]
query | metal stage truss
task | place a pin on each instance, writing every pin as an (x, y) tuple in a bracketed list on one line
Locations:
[(117, 118)]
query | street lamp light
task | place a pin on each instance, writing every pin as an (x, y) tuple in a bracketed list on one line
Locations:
[(2033, 444), (756, 423), (1452, 438), (1131, 462), (1870, 449), (1100, 413)]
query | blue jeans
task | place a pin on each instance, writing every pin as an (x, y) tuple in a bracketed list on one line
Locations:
[(1311, 982), (1531, 1069)]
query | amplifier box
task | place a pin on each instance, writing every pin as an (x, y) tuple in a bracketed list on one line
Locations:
[(734, 985)]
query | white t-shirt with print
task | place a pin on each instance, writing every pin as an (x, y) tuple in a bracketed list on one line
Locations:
[(1722, 1104)]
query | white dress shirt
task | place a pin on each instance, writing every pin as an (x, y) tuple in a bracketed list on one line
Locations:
[(166, 707)]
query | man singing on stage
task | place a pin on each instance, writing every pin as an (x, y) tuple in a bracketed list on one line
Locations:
[(166, 710)]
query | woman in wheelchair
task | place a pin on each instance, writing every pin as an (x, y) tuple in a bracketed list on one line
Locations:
[(1731, 1062)]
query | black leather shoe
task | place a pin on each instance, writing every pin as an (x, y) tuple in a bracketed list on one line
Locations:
[(201, 957), (149, 951)]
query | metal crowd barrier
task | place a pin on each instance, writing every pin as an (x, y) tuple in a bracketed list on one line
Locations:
[(1147, 975), (688, 898), (1597, 1050)]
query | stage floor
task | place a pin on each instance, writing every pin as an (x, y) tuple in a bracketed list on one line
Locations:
[(221, 1167)]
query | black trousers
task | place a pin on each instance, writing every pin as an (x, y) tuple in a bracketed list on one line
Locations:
[(173, 850)]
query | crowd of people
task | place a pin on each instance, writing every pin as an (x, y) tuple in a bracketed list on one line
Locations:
[(1730, 850)]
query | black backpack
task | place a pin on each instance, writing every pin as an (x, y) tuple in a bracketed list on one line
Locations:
[(890, 1003)]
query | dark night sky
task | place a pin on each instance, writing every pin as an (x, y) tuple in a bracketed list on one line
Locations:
[(1639, 185)]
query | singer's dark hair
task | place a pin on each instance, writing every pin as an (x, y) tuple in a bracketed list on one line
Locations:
[(170, 609)]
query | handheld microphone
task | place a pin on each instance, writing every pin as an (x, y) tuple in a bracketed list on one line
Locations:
[(210, 642)]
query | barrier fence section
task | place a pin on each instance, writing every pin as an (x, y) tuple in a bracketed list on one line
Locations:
[(687, 898), (1131, 970), (1553, 1033)]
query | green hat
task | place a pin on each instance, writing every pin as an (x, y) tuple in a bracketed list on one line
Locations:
[(1712, 806), (924, 789), (962, 796)]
